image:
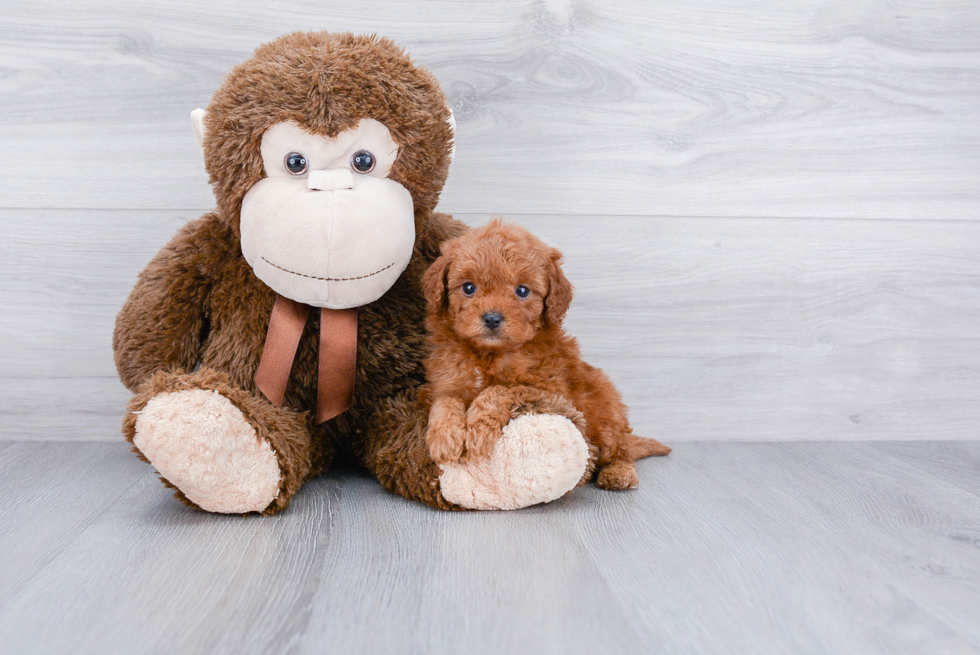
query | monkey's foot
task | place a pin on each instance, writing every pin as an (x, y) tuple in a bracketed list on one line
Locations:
[(538, 458), (201, 443)]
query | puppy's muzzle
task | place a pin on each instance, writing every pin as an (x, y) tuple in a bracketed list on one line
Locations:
[(492, 320)]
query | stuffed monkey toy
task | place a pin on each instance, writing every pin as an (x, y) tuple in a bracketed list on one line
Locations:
[(288, 323)]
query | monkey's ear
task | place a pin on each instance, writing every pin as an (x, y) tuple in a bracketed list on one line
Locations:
[(452, 126), (434, 285), (197, 120), (559, 291)]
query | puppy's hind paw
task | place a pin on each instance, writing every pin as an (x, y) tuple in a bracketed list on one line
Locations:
[(617, 476)]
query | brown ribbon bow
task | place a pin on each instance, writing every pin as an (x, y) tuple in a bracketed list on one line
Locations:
[(338, 355)]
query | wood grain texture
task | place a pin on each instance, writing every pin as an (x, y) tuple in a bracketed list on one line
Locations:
[(750, 108), (957, 463), (724, 548), (470, 585), (51, 493), (821, 547), (714, 329)]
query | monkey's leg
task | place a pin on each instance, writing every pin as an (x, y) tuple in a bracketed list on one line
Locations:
[(536, 449), (394, 450), (223, 449), (539, 456)]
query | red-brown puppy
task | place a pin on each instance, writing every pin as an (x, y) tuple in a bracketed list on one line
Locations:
[(496, 298)]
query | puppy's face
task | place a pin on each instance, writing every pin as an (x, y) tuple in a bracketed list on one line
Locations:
[(496, 287)]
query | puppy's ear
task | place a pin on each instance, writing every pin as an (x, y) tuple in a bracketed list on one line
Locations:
[(434, 285), (559, 290)]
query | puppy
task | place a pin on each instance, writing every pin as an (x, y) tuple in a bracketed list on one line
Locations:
[(496, 298)]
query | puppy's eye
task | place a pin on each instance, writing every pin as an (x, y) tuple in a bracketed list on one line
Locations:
[(522, 291), (469, 289), (296, 163), (363, 161)]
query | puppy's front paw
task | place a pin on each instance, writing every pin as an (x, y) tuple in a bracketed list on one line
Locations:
[(445, 448), (485, 421), (445, 440), (446, 435), (480, 440), (617, 476)]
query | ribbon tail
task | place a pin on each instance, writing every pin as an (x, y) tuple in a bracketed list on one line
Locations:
[(286, 326), (338, 360)]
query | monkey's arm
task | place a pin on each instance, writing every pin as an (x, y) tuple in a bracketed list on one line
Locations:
[(161, 325), (394, 450), (544, 457)]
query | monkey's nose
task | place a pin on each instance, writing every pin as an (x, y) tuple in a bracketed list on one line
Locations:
[(492, 320), (330, 180)]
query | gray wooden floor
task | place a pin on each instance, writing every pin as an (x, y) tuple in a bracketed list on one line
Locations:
[(724, 548)]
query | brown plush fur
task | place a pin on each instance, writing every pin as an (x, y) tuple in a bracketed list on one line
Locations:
[(198, 301), (478, 372)]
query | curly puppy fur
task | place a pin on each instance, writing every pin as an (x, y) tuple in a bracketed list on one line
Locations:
[(496, 298), (198, 301)]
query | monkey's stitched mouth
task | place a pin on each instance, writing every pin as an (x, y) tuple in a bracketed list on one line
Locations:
[(329, 279)]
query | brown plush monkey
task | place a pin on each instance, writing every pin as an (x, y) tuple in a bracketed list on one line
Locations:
[(288, 322)]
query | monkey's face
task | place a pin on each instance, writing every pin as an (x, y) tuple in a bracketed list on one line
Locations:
[(326, 226)]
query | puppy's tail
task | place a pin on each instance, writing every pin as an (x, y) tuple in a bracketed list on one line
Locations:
[(643, 447)]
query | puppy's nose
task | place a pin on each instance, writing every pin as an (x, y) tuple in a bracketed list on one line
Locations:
[(492, 320), (330, 180)]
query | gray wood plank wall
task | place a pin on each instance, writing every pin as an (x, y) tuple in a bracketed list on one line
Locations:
[(769, 210)]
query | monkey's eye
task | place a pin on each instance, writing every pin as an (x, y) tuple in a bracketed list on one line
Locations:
[(522, 291), (296, 163), (469, 289), (363, 161)]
